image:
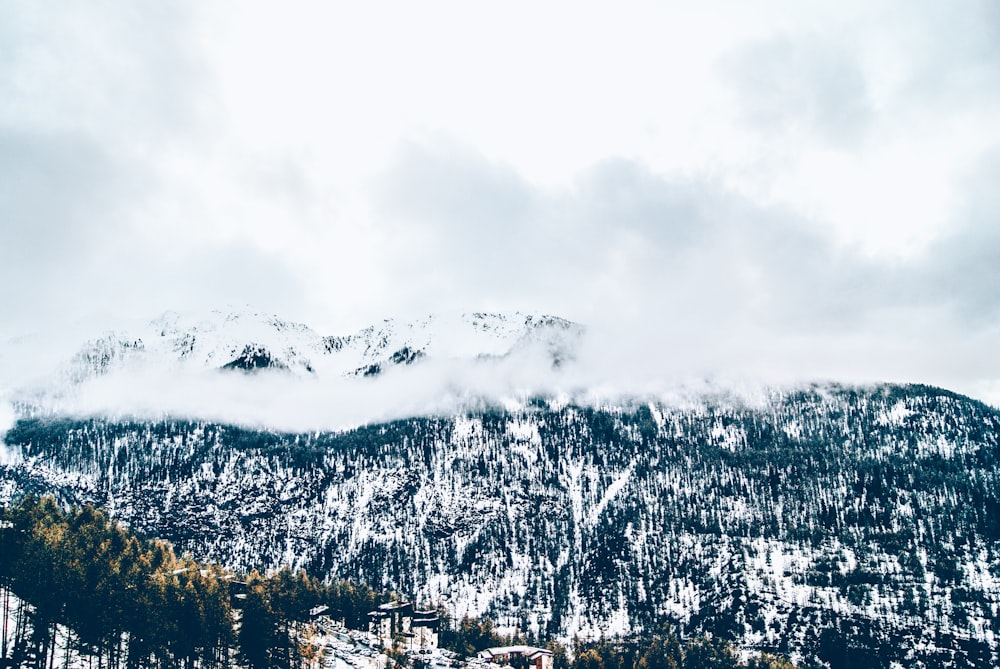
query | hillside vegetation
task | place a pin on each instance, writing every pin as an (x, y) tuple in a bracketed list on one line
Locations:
[(132, 603), (828, 523)]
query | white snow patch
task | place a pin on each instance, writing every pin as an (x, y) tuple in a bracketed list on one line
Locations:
[(609, 494), (729, 437), (896, 415), (657, 415), (793, 430), (466, 428), (524, 431)]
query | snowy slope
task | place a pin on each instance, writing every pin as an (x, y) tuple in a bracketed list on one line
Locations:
[(839, 515), (800, 520)]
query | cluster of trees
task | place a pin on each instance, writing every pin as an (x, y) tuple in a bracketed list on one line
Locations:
[(86, 586), (129, 602), (470, 635), (272, 605)]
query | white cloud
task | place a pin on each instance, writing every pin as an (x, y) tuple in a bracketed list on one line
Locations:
[(783, 179)]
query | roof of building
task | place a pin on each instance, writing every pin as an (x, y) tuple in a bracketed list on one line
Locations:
[(529, 652), (391, 606), (425, 616)]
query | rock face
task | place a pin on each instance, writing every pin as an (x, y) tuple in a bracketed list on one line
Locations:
[(832, 522)]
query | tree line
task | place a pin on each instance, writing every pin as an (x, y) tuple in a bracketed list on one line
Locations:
[(85, 586)]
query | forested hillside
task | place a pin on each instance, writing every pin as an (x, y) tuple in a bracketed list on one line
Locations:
[(75, 585), (76, 588), (835, 523)]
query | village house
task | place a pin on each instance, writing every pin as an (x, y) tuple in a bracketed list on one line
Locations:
[(523, 656), (398, 623)]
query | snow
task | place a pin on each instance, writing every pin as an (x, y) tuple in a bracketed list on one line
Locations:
[(793, 430), (210, 340), (609, 494), (355, 516), (729, 437), (65, 654), (618, 623), (170, 366), (466, 429), (896, 415)]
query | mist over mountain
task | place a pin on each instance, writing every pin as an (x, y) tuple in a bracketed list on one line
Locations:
[(249, 368), (242, 366)]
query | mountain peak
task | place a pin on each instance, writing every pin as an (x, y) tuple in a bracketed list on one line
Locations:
[(179, 348)]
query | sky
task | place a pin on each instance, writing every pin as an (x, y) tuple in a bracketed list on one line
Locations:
[(777, 189)]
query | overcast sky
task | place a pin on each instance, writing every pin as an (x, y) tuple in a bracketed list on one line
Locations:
[(779, 188)]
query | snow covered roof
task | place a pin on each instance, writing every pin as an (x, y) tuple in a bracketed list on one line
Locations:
[(529, 652), (392, 606)]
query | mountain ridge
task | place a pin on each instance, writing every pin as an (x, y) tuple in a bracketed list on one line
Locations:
[(813, 520), (822, 511), (283, 366), (219, 338)]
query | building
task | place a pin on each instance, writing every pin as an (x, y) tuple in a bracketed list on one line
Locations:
[(425, 627), (398, 623), (519, 656)]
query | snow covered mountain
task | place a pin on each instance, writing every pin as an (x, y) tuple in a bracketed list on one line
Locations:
[(288, 375), (835, 521), (828, 522), (249, 340)]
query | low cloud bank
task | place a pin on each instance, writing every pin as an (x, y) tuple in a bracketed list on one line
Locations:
[(598, 368), (610, 364)]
